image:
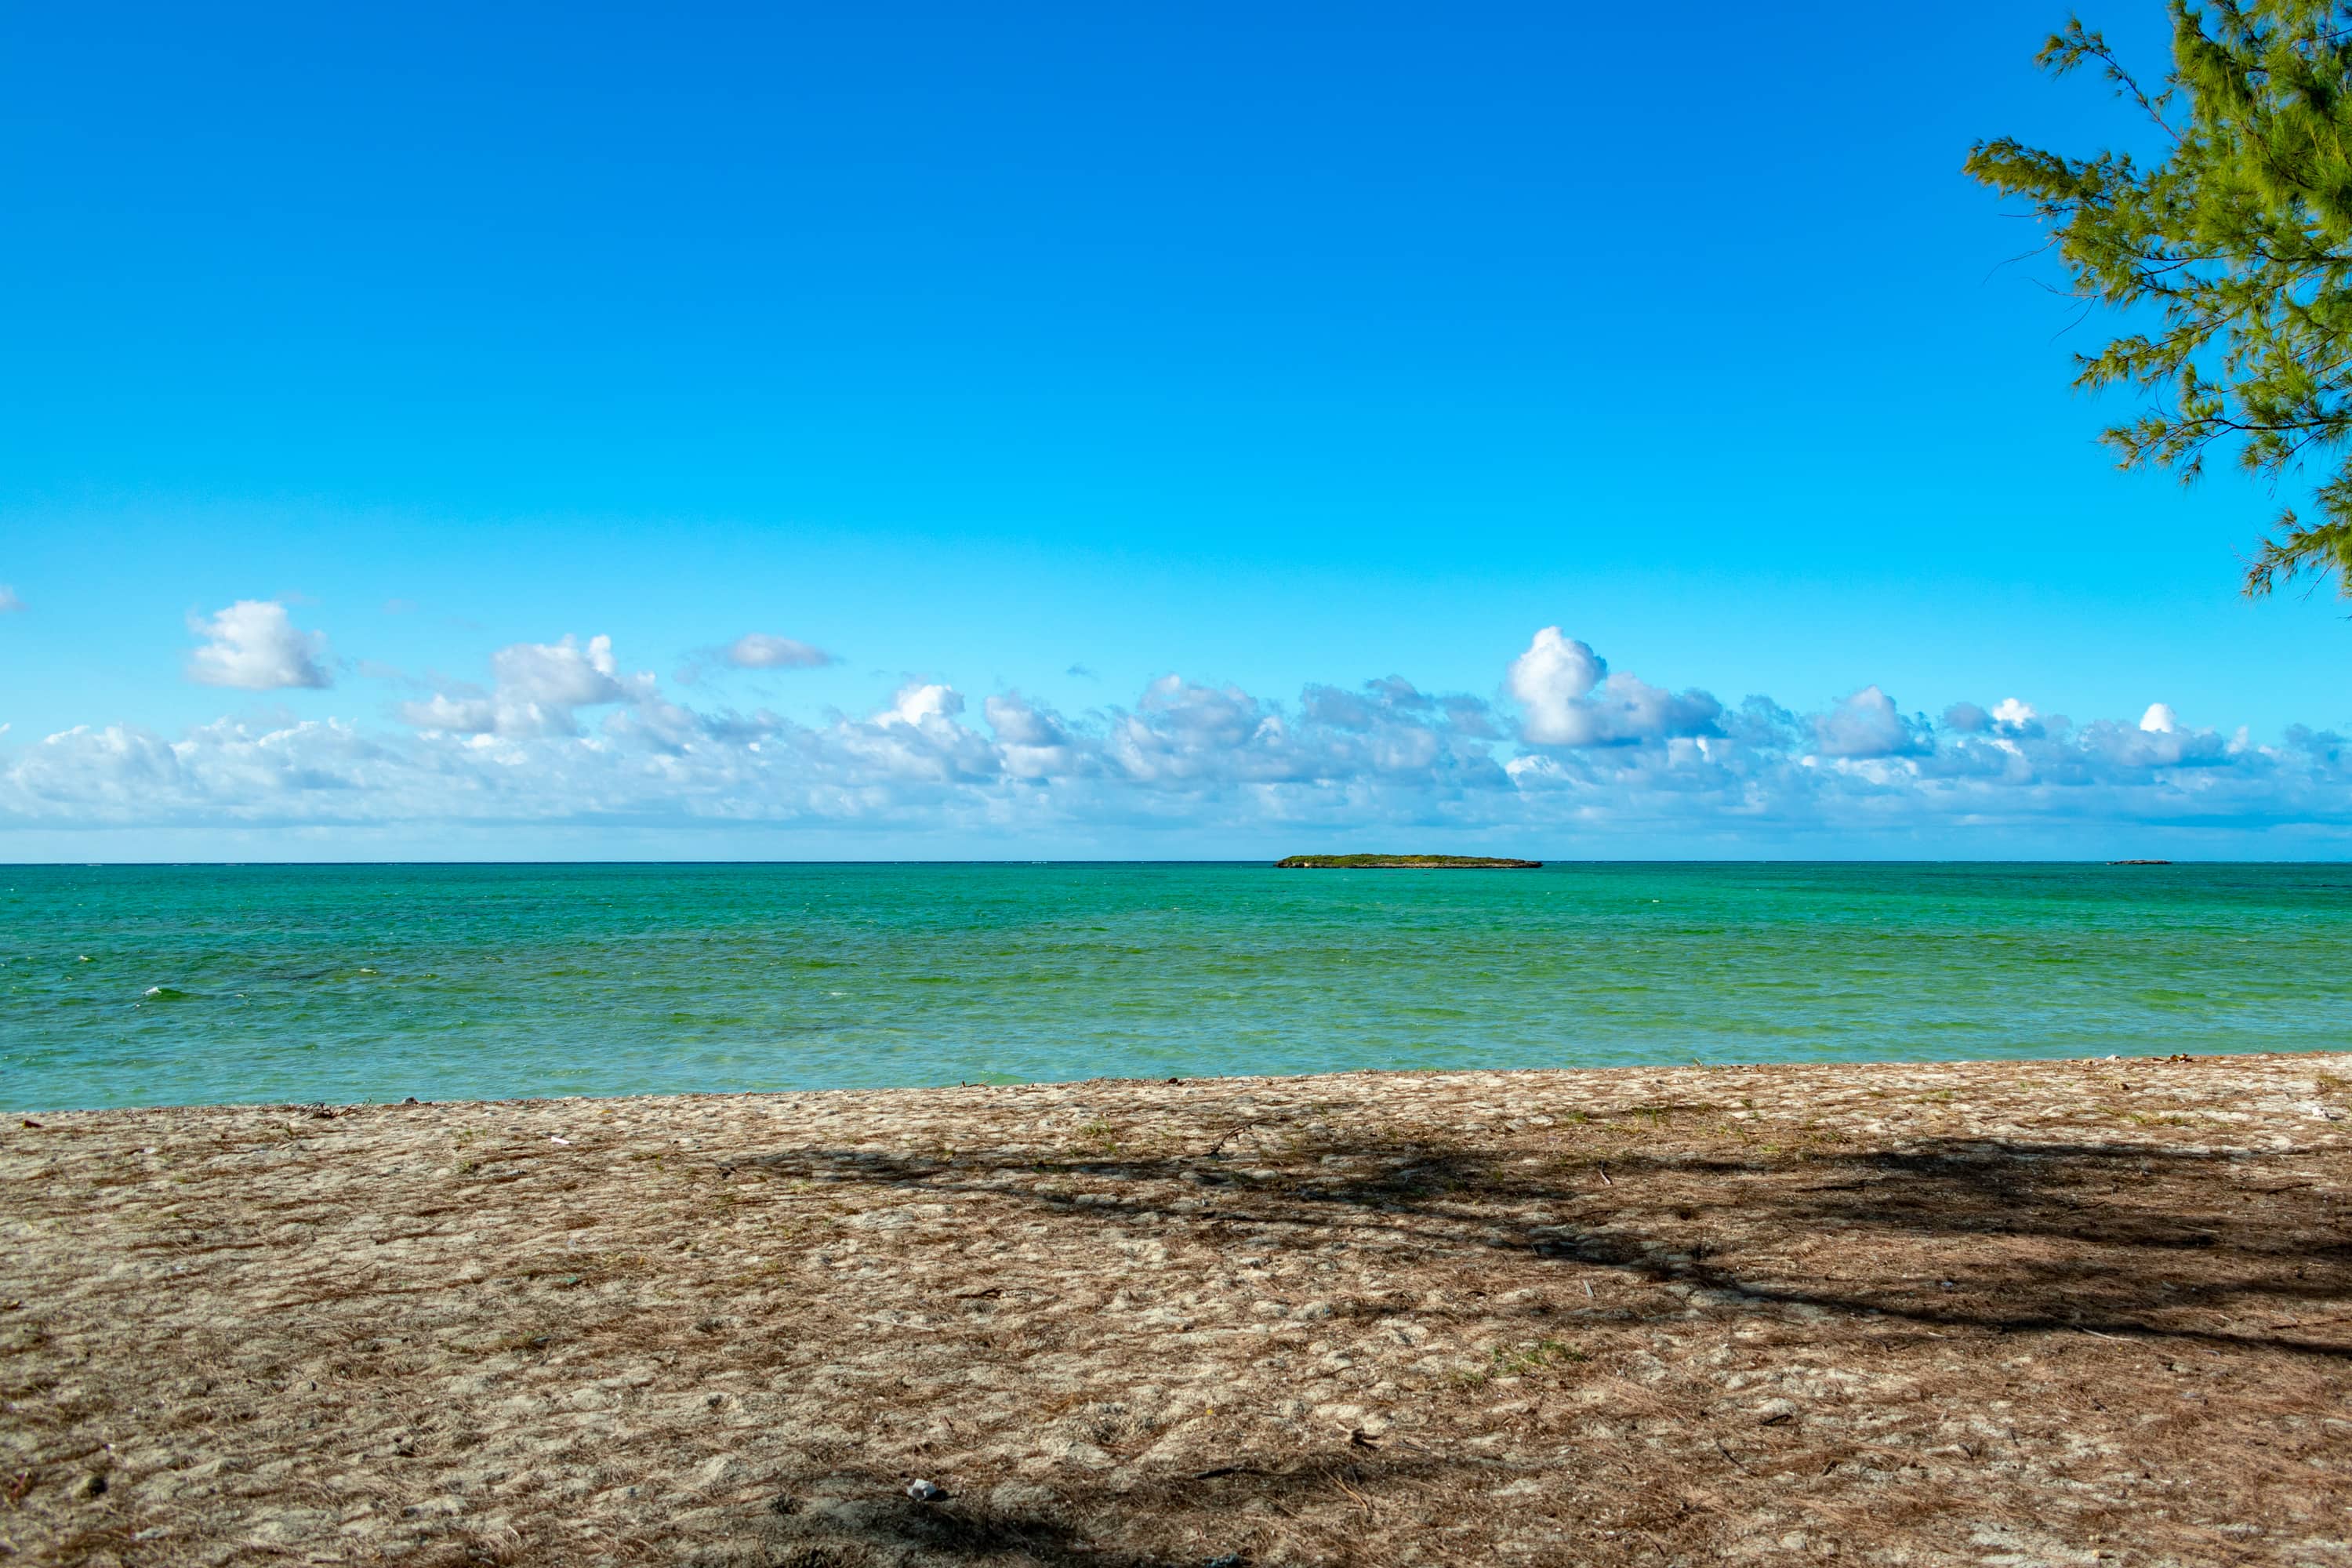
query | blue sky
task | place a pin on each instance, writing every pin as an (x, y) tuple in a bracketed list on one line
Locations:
[(1045, 353)]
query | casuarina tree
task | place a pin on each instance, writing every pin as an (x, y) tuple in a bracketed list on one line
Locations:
[(2231, 258)]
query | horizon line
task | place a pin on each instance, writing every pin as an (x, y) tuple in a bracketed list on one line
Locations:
[(1545, 862)]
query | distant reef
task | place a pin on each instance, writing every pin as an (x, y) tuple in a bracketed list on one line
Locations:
[(1404, 863)]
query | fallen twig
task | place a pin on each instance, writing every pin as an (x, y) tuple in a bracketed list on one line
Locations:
[(1217, 1148)]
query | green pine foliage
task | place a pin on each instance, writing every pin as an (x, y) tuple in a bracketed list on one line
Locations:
[(2238, 246)]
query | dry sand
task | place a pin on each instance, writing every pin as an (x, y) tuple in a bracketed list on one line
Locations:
[(2059, 1312)]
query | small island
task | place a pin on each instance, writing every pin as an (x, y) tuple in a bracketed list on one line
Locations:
[(1404, 863)]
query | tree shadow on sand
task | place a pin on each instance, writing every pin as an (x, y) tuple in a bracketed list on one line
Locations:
[(1953, 1238), (860, 1519), (2121, 1238)]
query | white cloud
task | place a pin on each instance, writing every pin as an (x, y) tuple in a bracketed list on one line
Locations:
[(1584, 758), (1035, 742), (919, 704), (1018, 723), (255, 646), (2012, 717), (561, 674), (754, 650), (538, 686), (2160, 719), (1867, 724), (759, 650), (9, 603), (1569, 697), (1550, 681)]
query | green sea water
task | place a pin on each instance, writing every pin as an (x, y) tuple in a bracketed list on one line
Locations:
[(131, 985)]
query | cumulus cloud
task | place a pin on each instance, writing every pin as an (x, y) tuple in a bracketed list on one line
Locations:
[(538, 688), (754, 650), (564, 674), (1033, 741), (1569, 697), (1550, 681), (1575, 756), (1019, 723), (759, 650), (1868, 725), (919, 703), (255, 646)]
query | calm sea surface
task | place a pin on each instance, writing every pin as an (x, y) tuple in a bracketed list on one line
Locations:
[(133, 985)]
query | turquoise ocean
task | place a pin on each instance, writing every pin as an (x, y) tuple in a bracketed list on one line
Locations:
[(141, 985)]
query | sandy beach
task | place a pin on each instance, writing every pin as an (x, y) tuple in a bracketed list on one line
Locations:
[(2069, 1312)]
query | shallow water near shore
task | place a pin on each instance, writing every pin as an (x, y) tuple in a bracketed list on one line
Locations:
[(138, 985)]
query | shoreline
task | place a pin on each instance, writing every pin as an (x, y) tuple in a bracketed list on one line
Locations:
[(13, 1115), (1928, 1312)]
